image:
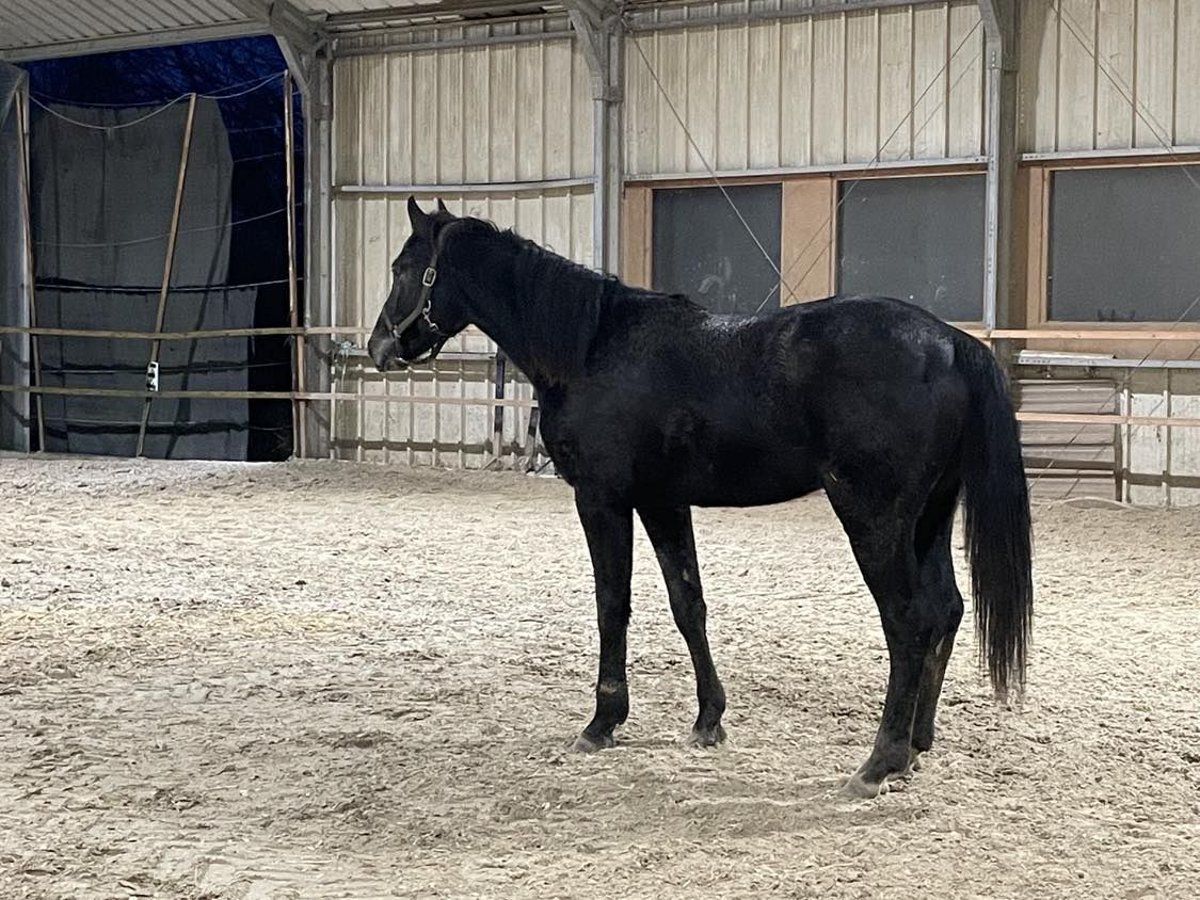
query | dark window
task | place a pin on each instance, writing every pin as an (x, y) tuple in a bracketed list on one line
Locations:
[(1124, 245), (702, 249), (916, 238)]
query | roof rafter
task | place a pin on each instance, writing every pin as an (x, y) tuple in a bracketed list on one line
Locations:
[(301, 38), (136, 40)]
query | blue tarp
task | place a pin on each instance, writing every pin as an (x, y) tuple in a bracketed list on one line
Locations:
[(244, 78)]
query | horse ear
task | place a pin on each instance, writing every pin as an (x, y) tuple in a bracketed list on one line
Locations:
[(442, 206), (417, 217)]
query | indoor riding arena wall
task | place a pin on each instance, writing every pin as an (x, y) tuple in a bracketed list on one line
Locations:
[(812, 102)]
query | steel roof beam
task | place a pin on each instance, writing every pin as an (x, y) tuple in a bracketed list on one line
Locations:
[(117, 42), (301, 38)]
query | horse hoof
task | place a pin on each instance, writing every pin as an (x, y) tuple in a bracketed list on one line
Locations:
[(858, 788), (914, 762), (585, 743), (707, 737)]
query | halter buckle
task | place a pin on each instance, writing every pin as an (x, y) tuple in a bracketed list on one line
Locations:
[(429, 277)]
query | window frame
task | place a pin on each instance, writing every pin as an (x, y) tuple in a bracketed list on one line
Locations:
[(924, 172), (1035, 180), (809, 207), (710, 185)]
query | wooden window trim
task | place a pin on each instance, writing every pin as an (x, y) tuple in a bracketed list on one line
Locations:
[(1037, 176), (637, 235), (838, 175), (638, 231), (974, 327)]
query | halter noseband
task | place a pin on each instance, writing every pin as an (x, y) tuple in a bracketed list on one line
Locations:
[(425, 298)]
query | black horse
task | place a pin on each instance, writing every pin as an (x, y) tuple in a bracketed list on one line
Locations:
[(650, 403)]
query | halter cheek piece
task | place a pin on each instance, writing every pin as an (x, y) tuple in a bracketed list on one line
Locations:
[(425, 298)]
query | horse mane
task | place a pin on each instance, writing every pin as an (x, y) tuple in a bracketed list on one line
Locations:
[(565, 309)]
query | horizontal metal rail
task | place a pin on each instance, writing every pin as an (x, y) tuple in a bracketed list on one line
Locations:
[(1033, 417), (461, 188), (1069, 334), (152, 335), (1089, 334), (1107, 419), (260, 395), (1189, 335)]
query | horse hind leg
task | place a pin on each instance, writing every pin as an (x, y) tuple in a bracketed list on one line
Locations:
[(932, 676), (885, 561), (938, 584), (914, 621)]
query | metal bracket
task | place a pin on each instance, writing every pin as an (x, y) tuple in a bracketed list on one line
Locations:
[(598, 22), (600, 25), (302, 38), (1000, 26)]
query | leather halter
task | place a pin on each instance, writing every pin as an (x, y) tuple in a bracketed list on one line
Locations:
[(425, 298)]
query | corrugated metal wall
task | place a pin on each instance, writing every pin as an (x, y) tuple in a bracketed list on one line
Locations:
[(1084, 61), (497, 114), (826, 90), (1071, 460)]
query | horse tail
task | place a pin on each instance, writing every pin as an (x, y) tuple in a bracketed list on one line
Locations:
[(998, 532)]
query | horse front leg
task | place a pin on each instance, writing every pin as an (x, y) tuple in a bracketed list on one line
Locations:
[(609, 531), (670, 531)]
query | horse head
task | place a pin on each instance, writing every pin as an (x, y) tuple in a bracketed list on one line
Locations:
[(423, 310)]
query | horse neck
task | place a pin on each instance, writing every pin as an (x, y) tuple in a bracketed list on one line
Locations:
[(540, 310)]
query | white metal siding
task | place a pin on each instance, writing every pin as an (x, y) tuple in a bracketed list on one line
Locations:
[(495, 113), (826, 90), (371, 229), (1071, 460), (1109, 74), (1150, 465), (1164, 463)]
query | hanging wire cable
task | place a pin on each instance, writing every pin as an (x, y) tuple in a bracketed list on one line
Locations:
[(92, 126), (222, 93), (1126, 92), (160, 237), (703, 159), (299, 151), (72, 287), (934, 82), (234, 91), (852, 184)]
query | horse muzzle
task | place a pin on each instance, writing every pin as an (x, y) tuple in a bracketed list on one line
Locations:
[(384, 353), (382, 350)]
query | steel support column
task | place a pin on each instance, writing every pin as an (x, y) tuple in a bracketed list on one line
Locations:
[(16, 287), (318, 259), (306, 48), (602, 35), (1000, 26), (300, 37)]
